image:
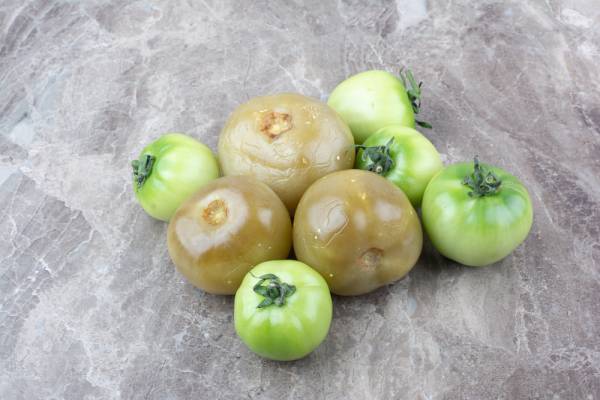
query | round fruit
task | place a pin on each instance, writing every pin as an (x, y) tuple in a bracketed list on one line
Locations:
[(402, 155), (286, 141), (475, 213), (372, 100), (169, 170), (358, 230), (282, 310), (226, 228)]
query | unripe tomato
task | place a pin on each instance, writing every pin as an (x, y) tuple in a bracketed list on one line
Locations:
[(282, 310), (475, 213), (169, 170), (403, 156), (372, 100)]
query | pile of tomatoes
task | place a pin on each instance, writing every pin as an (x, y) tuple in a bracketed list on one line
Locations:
[(290, 221)]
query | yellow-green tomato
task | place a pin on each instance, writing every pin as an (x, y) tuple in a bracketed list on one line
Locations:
[(476, 214), (287, 141), (169, 170), (402, 155), (371, 100), (358, 230), (224, 229), (282, 310)]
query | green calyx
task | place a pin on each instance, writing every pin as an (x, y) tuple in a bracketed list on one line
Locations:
[(273, 290), (414, 94), (377, 158), (482, 182), (142, 169)]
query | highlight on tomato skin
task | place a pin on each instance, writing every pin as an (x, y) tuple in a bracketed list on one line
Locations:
[(358, 230), (283, 310), (287, 141), (169, 170), (476, 214), (224, 229)]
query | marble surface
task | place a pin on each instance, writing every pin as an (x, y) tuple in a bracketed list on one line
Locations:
[(90, 304)]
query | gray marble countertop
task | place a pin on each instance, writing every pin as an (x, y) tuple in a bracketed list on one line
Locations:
[(90, 304)]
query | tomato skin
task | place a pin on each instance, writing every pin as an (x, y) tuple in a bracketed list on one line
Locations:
[(293, 330), (182, 165), (416, 160), (224, 229), (475, 231), (358, 230), (287, 141), (372, 100)]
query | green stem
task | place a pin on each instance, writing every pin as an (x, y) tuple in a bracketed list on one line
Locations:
[(481, 181), (377, 158), (414, 94), (273, 290), (142, 169)]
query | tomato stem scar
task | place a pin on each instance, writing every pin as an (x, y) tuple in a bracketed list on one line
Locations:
[(275, 123), (216, 212)]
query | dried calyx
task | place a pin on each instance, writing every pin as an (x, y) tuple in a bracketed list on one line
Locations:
[(142, 169), (273, 290), (482, 182), (414, 94), (377, 158)]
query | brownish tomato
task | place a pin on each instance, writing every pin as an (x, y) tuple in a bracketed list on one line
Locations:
[(358, 230), (287, 141), (226, 228)]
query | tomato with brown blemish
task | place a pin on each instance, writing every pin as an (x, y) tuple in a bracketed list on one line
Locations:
[(358, 230), (287, 141), (226, 228)]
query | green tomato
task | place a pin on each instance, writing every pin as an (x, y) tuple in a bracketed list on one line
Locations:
[(282, 310), (476, 214), (372, 100), (403, 156), (169, 170)]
